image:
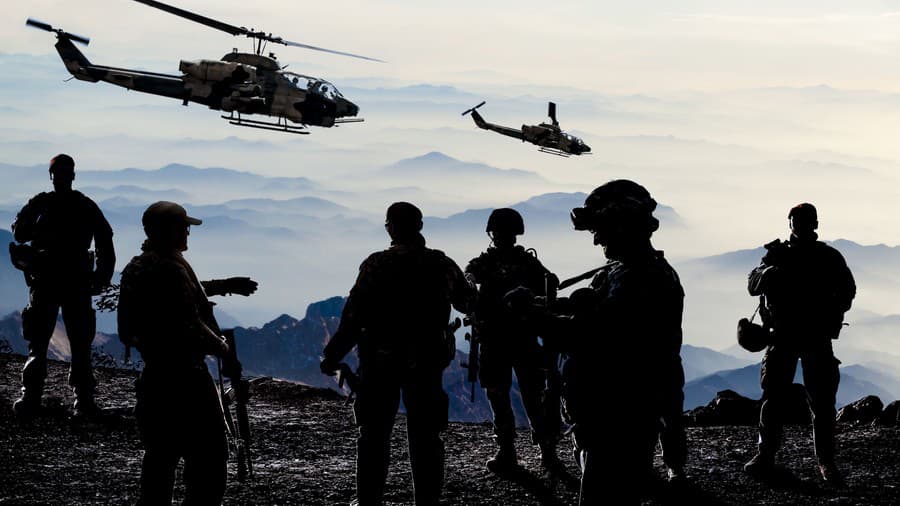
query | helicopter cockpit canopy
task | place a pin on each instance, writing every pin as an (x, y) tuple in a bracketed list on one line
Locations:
[(573, 139), (313, 85), (326, 89)]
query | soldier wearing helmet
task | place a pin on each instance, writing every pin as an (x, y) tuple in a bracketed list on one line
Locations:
[(396, 316), (622, 337), (806, 287), (508, 344), (165, 314), (54, 232)]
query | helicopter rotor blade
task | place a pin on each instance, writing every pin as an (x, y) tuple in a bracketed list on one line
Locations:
[(40, 25), (279, 40), (467, 111), (203, 20), (240, 30)]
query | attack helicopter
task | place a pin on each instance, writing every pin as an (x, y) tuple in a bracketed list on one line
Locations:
[(548, 137), (238, 83)]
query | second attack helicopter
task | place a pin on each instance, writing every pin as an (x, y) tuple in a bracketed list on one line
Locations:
[(547, 136), (238, 83)]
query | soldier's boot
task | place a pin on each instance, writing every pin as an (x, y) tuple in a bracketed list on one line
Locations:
[(761, 465), (85, 406), (33, 375), (505, 461), (831, 474), (29, 404)]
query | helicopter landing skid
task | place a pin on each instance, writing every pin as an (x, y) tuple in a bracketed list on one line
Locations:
[(280, 126), (557, 152), (340, 121)]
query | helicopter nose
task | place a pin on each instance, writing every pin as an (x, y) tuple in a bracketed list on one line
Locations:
[(346, 108), (586, 149)]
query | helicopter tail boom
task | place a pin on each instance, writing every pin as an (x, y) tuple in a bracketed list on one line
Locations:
[(75, 61)]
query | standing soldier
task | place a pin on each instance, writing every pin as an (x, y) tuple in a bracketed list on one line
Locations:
[(164, 313), (508, 343), (396, 314), (622, 337), (807, 287), (59, 269)]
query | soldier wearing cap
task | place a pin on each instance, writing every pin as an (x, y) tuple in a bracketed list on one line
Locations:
[(622, 337), (806, 287), (165, 314), (508, 343), (54, 232), (396, 315)]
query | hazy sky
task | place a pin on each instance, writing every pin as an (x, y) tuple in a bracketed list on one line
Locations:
[(638, 46), (730, 112)]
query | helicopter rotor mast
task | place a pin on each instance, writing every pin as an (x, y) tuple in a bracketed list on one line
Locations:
[(261, 37)]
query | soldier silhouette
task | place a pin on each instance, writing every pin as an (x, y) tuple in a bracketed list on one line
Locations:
[(622, 338), (55, 231), (806, 288), (164, 312), (508, 343), (396, 315)]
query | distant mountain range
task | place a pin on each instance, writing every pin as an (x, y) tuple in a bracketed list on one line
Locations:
[(856, 382), (291, 349)]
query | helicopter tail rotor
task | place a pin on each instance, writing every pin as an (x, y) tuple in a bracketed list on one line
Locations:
[(467, 111), (551, 111), (40, 25)]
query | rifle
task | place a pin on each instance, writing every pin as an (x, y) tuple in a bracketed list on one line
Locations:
[(474, 340), (239, 394)]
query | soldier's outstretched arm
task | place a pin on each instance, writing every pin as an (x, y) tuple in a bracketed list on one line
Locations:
[(235, 285)]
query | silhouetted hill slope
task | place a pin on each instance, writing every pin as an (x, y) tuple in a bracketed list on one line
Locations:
[(856, 382), (304, 454)]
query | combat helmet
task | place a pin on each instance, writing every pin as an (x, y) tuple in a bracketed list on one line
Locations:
[(620, 200), (505, 220)]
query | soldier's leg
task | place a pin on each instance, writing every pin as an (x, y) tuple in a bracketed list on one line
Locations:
[(206, 455), (531, 375), (496, 378), (161, 437), (375, 409), (821, 377), (81, 323), (158, 475), (776, 376), (38, 322), (672, 438), (426, 416), (553, 394)]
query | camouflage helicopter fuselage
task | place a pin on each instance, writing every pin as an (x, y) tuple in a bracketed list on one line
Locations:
[(548, 137), (242, 83)]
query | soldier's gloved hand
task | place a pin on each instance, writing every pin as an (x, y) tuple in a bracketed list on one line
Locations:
[(329, 367), (519, 300), (232, 368), (240, 285)]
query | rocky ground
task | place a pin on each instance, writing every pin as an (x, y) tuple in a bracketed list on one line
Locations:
[(304, 454)]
